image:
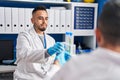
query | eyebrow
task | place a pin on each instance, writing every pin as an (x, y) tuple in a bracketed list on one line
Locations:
[(41, 17)]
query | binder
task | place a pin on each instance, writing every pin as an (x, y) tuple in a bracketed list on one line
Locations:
[(68, 20), (62, 21), (51, 21), (31, 9), (15, 20), (47, 29), (2, 24), (8, 20), (57, 20), (27, 18), (21, 20)]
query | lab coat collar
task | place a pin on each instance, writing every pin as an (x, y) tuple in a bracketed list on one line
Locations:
[(33, 32), (35, 36)]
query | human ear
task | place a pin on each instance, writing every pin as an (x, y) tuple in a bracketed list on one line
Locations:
[(32, 20), (99, 37)]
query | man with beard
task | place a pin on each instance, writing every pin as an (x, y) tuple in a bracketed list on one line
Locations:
[(36, 51)]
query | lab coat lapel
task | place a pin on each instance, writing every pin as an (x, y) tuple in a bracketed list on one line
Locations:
[(36, 38)]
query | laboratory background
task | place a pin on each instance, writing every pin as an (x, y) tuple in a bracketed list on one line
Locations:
[(70, 21)]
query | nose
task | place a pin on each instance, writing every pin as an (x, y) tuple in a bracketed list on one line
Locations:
[(44, 21)]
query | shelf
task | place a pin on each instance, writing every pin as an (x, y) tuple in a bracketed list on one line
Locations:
[(7, 68), (74, 22), (32, 4), (38, 1), (84, 33), (8, 32)]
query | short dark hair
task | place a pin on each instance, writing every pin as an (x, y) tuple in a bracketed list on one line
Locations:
[(39, 8), (109, 22)]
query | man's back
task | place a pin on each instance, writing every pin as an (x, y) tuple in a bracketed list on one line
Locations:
[(101, 64)]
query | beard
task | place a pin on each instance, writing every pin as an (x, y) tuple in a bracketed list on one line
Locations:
[(42, 29)]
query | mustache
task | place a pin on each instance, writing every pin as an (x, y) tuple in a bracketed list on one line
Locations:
[(43, 25), (42, 29)]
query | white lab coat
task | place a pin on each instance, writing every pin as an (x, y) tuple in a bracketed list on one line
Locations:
[(101, 64), (31, 57)]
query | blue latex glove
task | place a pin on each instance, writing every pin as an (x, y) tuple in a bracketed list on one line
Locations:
[(63, 57), (57, 48)]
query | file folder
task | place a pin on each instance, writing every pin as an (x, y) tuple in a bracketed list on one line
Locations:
[(31, 9), (8, 20), (68, 20), (57, 20), (47, 29), (27, 18), (21, 19), (15, 20), (2, 24), (62, 21), (51, 21)]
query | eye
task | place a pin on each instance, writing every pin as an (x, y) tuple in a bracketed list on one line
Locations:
[(40, 18), (46, 18)]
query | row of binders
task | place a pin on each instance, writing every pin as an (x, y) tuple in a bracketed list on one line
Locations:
[(15, 20), (59, 20)]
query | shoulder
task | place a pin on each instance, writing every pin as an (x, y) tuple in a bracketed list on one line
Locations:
[(77, 66), (28, 33), (23, 34)]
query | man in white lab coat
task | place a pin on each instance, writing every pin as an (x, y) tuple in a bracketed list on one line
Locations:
[(104, 62), (36, 50)]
